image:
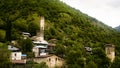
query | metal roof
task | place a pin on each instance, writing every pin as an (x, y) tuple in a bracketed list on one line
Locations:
[(12, 48), (40, 47), (40, 42)]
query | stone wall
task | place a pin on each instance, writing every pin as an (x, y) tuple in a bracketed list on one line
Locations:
[(51, 61)]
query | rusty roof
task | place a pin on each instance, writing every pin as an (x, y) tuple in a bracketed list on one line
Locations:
[(19, 61)]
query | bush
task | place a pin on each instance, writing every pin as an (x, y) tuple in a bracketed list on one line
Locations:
[(2, 35)]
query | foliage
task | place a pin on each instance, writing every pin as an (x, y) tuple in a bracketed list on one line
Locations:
[(2, 35), (116, 62), (74, 58), (60, 50), (4, 56), (41, 65), (100, 58), (91, 64), (26, 45)]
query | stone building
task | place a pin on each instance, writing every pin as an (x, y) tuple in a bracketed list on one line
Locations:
[(40, 45), (16, 55), (110, 51), (40, 48), (52, 61)]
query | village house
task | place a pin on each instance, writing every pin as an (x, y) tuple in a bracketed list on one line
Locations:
[(16, 55), (52, 61), (40, 48)]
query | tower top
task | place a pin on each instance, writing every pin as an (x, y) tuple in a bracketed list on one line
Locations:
[(109, 45)]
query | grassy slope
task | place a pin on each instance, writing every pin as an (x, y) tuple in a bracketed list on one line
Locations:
[(68, 25)]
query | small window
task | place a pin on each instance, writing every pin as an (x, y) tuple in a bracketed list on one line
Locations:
[(49, 59), (11, 46), (56, 59), (15, 54)]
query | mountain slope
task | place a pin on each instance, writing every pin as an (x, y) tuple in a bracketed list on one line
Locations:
[(73, 29), (117, 28), (68, 25)]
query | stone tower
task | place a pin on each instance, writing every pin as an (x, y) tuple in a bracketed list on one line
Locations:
[(41, 33), (110, 51)]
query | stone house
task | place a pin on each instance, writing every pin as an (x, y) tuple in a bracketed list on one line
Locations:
[(16, 55), (40, 48), (52, 61), (110, 51)]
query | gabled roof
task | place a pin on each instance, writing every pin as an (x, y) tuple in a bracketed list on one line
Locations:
[(26, 33), (40, 42), (12, 48), (40, 47)]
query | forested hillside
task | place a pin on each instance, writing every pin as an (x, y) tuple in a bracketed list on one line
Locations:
[(73, 30)]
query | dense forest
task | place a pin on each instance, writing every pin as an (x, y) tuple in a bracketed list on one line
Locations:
[(72, 28)]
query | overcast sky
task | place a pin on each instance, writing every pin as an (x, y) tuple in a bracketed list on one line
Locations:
[(107, 11)]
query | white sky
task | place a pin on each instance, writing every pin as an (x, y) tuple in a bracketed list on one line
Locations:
[(107, 11)]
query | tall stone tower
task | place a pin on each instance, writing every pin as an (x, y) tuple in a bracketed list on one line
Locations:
[(41, 33), (110, 51)]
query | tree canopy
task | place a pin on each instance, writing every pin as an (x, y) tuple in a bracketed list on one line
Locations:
[(4, 56)]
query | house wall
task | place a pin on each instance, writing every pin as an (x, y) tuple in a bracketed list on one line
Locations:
[(110, 53), (36, 52), (16, 55), (51, 61)]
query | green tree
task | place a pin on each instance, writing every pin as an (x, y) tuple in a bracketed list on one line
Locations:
[(15, 34), (60, 50), (4, 56), (12, 10), (32, 28), (91, 64), (74, 58), (9, 15), (116, 62), (41, 65), (100, 58), (2, 35), (26, 45)]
